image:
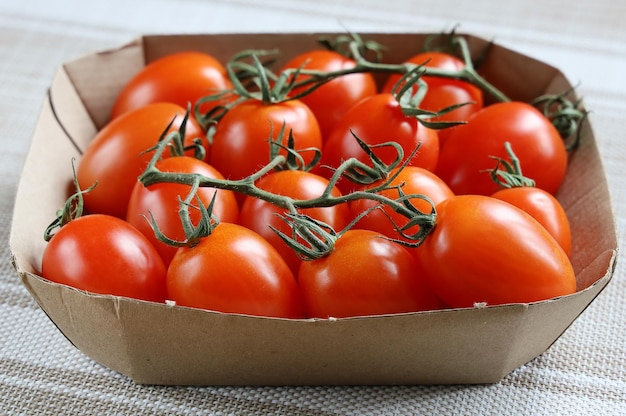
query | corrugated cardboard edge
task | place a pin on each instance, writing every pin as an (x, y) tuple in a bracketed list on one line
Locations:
[(158, 344)]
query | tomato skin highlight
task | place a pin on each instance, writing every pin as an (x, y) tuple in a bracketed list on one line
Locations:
[(378, 119), (241, 142), (487, 250), (365, 274), (331, 100), (116, 156), (161, 200), (180, 78), (258, 215), (105, 255), (468, 153), (444, 92), (415, 180), (234, 270), (543, 207)]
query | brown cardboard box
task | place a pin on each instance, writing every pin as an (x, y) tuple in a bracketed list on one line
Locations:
[(161, 344)]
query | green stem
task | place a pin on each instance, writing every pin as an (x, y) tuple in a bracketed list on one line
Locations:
[(247, 186), (467, 73), (311, 79)]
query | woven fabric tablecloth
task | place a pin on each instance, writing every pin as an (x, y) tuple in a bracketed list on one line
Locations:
[(41, 373)]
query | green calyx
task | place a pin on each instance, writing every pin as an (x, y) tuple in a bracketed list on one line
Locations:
[(72, 209), (567, 116), (508, 173)]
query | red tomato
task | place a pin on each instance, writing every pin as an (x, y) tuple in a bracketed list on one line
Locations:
[(181, 78), (468, 153), (365, 274), (161, 200), (444, 92), (105, 255), (543, 207), (115, 157), (415, 180), (378, 119), (259, 215), (234, 270), (487, 250), (331, 100), (241, 142)]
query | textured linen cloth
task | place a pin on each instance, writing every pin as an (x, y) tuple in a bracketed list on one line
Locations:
[(41, 373)]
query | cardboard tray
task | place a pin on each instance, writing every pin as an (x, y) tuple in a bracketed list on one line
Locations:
[(162, 344)]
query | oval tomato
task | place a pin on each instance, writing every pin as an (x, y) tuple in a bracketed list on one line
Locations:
[(180, 78), (105, 255), (484, 250), (117, 155), (543, 207), (414, 180), (365, 274), (467, 156), (259, 215), (378, 119), (331, 100), (234, 270), (162, 201), (241, 142), (444, 92)]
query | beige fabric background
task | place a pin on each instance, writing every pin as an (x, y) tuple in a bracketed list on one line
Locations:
[(584, 373)]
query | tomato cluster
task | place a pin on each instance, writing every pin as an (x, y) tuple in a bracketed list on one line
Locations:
[(315, 192)]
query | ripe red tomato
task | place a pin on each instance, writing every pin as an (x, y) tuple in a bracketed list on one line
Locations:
[(331, 100), (105, 255), (162, 201), (378, 119), (115, 157), (241, 142), (259, 215), (181, 78), (444, 92), (414, 180), (543, 207), (234, 270), (487, 250), (468, 153), (365, 274)]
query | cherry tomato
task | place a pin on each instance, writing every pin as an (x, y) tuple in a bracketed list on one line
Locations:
[(484, 250), (543, 207), (365, 274), (162, 201), (106, 255), (259, 215), (241, 142), (181, 78), (234, 270), (468, 153), (117, 155), (378, 119), (444, 92), (414, 180), (331, 100)]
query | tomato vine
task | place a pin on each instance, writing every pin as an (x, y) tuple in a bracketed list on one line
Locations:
[(269, 87), (352, 169)]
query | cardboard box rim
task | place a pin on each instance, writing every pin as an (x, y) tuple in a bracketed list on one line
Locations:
[(160, 344)]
